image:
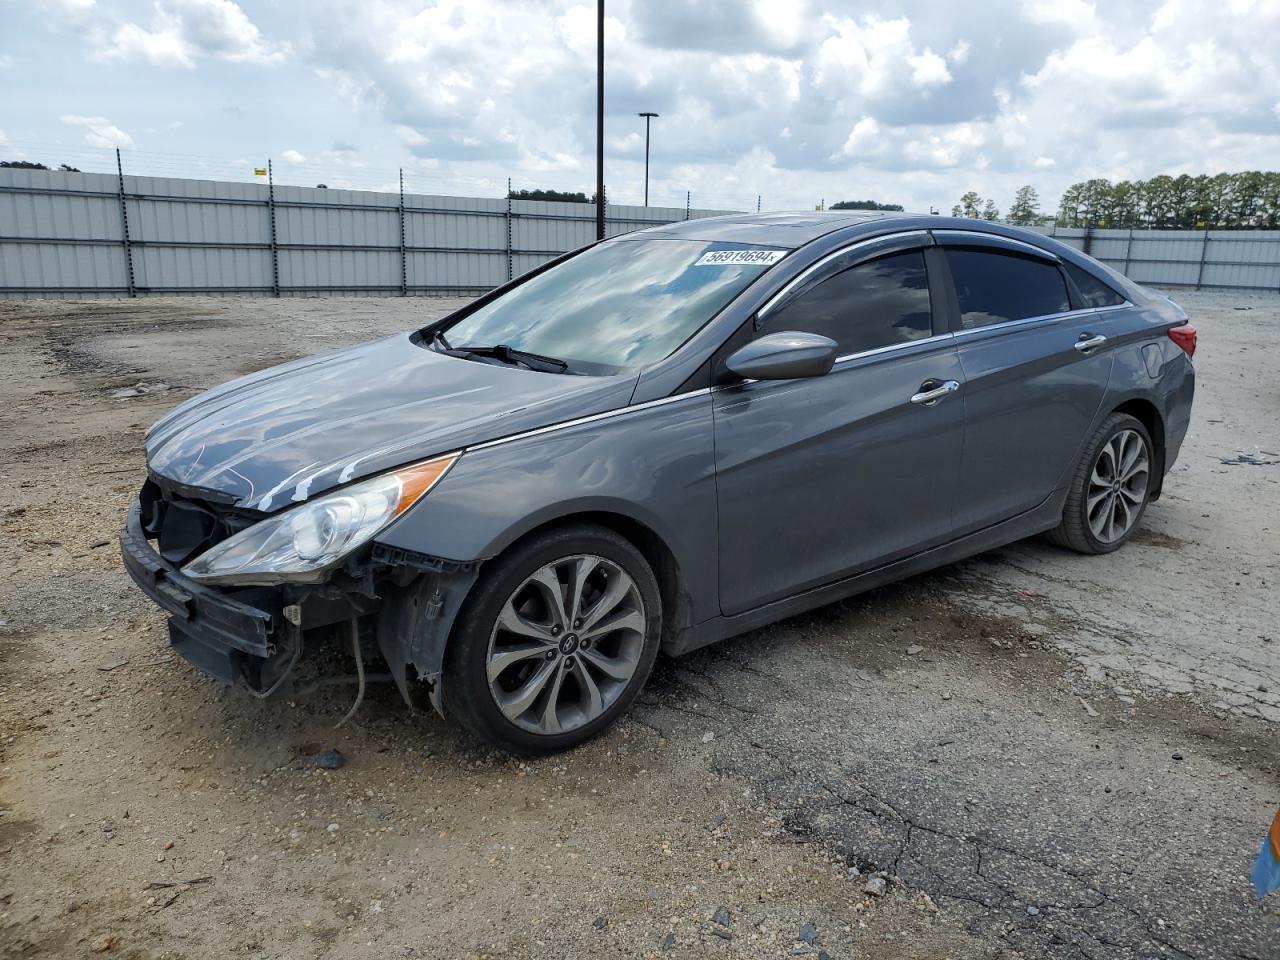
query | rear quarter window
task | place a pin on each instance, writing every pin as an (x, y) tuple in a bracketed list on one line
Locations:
[(996, 287), (1093, 292)]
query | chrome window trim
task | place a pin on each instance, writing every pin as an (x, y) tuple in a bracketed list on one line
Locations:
[(893, 347), (958, 235), (1046, 318), (764, 310), (593, 418)]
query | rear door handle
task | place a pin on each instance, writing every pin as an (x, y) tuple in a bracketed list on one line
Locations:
[(1088, 341), (931, 391)]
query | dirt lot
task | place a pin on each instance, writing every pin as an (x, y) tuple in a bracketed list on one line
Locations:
[(1042, 754)]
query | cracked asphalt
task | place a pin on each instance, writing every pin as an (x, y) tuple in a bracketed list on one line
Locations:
[(1043, 755)]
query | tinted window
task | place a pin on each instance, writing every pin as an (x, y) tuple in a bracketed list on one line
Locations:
[(1093, 291), (996, 287), (874, 304)]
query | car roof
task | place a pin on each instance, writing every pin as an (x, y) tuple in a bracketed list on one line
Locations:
[(788, 230)]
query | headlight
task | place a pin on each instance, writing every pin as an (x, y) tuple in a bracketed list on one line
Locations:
[(301, 543)]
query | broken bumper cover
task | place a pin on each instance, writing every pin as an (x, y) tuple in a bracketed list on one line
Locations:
[(227, 638)]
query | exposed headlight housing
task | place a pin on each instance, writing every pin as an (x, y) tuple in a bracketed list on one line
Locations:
[(302, 543)]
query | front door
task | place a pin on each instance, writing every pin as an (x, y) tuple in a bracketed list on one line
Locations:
[(820, 478)]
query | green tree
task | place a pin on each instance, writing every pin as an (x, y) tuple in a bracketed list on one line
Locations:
[(23, 165), (561, 196), (1026, 206), (865, 205), (989, 211), (970, 206)]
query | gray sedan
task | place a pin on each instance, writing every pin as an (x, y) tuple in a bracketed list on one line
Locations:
[(655, 443)]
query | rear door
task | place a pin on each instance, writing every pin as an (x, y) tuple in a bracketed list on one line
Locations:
[(820, 478), (1036, 365)]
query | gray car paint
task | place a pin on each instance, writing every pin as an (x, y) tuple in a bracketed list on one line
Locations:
[(270, 441), (784, 356), (541, 447)]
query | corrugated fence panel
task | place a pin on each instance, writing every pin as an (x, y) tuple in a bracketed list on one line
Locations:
[(169, 269), (54, 269), (461, 270), (455, 223), (61, 234)]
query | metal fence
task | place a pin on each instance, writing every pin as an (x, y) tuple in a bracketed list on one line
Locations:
[(97, 235), (68, 234), (1233, 259)]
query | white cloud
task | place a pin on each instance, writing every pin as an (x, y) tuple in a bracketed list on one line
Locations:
[(863, 139), (910, 103), (293, 156), (99, 131), (410, 136), (183, 31), (929, 70), (6, 61)]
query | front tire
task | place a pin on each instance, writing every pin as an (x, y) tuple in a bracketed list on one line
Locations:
[(1110, 488), (555, 641)]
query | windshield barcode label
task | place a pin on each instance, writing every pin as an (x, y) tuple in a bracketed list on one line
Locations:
[(719, 258)]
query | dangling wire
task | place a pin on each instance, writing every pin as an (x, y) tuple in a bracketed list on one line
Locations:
[(355, 651)]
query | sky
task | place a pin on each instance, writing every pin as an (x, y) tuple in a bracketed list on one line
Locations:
[(795, 101)]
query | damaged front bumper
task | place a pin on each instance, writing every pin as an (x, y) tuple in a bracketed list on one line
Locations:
[(240, 637), (253, 636)]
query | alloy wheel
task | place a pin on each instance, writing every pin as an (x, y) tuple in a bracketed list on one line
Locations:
[(565, 644), (1118, 486)]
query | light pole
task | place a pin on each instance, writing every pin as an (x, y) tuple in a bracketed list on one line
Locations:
[(600, 120), (647, 118)]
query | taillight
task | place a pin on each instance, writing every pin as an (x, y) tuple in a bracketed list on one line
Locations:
[(1185, 337)]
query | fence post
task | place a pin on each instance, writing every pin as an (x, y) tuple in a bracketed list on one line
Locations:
[(757, 203), (124, 222), (404, 263), (688, 194), (510, 267), (1204, 251), (1128, 249), (1088, 237), (275, 252)]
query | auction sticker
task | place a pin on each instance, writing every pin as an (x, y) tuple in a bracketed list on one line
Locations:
[(721, 258)]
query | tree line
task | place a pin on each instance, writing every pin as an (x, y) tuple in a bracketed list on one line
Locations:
[(1228, 201), (1231, 201)]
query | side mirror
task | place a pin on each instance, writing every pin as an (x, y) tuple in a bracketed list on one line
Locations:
[(784, 356)]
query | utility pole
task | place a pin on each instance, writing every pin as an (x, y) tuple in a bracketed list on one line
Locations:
[(599, 119), (647, 118)]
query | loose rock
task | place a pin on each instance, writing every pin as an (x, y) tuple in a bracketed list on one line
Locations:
[(876, 886), (330, 759)]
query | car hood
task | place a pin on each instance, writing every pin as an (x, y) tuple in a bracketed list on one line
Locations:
[(293, 431)]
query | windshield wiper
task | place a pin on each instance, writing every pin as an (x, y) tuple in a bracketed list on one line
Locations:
[(506, 354)]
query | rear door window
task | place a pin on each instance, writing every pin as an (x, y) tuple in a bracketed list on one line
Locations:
[(1093, 292), (875, 304), (996, 287)]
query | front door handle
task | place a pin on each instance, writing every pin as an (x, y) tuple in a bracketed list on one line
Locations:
[(931, 391), (1088, 341)]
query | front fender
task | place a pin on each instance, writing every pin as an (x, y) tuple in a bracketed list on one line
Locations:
[(652, 464)]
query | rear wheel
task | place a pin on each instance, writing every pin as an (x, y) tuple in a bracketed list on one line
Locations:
[(1110, 488), (555, 641)]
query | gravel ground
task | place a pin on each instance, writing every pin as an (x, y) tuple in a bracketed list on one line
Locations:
[(1029, 753)]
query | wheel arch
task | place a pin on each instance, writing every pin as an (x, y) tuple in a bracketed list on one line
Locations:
[(1148, 414), (643, 535)]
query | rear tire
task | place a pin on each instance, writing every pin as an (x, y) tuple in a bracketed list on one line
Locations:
[(1110, 488), (555, 641)]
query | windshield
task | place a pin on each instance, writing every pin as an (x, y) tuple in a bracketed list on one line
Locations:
[(626, 303)]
